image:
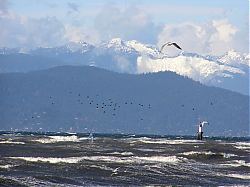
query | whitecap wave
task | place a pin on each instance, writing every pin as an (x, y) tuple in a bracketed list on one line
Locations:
[(236, 163), (56, 139), (123, 153), (170, 142), (149, 150), (52, 160), (247, 176), (7, 166), (136, 159), (11, 142), (224, 155), (164, 159), (242, 145), (112, 159)]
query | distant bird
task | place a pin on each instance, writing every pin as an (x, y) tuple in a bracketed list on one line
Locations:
[(169, 44)]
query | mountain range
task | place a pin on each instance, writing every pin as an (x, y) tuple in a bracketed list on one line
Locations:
[(229, 71), (91, 99)]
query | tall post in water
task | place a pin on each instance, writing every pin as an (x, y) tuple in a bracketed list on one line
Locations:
[(200, 132)]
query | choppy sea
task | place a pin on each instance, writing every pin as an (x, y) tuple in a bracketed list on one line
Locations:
[(72, 159)]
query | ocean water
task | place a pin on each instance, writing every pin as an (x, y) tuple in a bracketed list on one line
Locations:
[(68, 159)]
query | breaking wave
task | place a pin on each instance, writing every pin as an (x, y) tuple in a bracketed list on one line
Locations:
[(239, 176), (11, 142), (170, 142), (112, 159), (52, 160), (7, 166), (236, 163), (242, 145), (56, 139), (208, 154)]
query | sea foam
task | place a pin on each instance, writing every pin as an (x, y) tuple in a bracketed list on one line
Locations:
[(170, 142), (52, 160), (11, 142), (56, 139)]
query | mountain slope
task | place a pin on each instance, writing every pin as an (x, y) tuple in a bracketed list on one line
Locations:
[(230, 71), (67, 97)]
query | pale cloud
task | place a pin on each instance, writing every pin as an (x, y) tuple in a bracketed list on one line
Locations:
[(3, 7), (187, 11), (73, 7), (45, 32), (123, 64), (76, 34), (188, 35), (215, 37), (129, 23), (134, 22), (225, 31), (20, 31)]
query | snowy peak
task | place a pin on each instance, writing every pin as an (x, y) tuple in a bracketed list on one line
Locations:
[(135, 57), (116, 41), (143, 48), (196, 67), (233, 54), (117, 45), (81, 46), (234, 58), (131, 46)]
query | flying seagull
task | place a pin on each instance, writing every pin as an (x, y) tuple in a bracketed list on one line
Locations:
[(169, 44)]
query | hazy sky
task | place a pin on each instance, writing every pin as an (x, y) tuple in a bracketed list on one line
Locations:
[(207, 26)]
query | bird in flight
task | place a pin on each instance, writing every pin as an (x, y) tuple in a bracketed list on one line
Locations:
[(169, 44)]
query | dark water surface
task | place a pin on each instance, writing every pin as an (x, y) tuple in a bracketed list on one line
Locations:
[(62, 159)]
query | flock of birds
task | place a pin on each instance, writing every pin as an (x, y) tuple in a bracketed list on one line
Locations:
[(104, 105), (110, 105)]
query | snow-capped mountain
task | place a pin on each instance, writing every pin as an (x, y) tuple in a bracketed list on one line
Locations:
[(195, 67), (132, 46), (72, 47), (230, 70), (235, 59), (117, 45), (81, 47)]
